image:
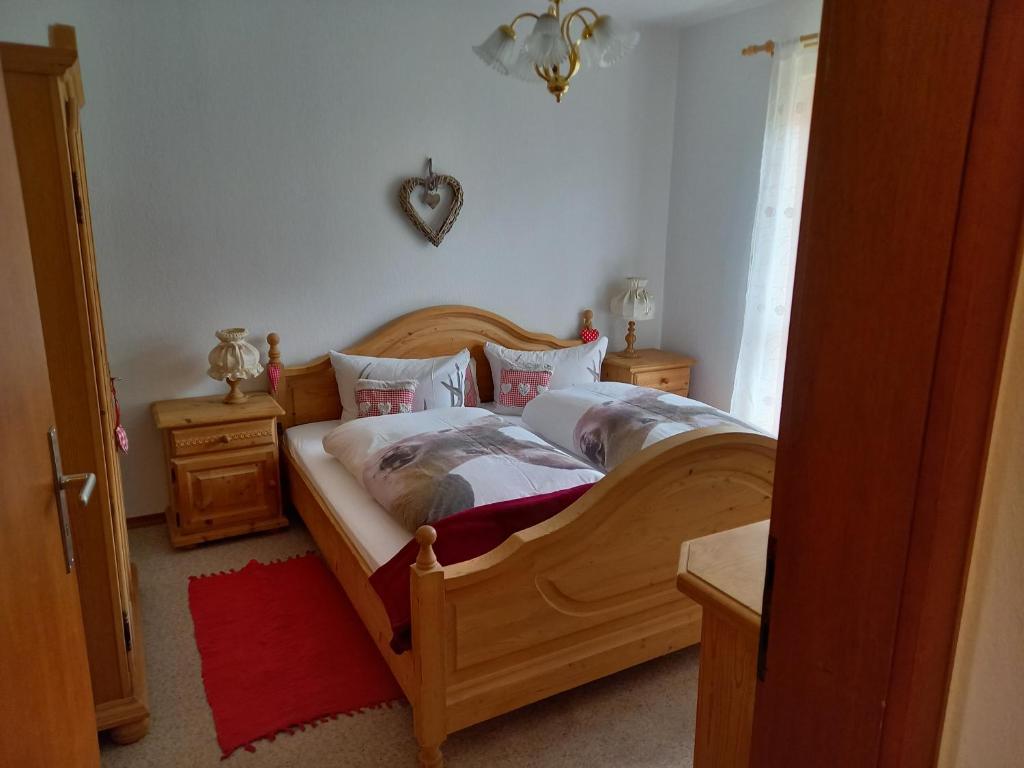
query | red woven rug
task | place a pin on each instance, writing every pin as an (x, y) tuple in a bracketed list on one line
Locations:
[(282, 648)]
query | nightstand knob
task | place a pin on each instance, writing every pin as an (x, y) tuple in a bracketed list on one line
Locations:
[(225, 438)]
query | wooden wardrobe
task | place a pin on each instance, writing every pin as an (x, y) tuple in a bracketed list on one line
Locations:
[(44, 91)]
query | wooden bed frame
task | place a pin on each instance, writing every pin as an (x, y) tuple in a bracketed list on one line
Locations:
[(580, 596)]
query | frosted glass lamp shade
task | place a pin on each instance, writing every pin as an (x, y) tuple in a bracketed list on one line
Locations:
[(523, 69), (545, 46), (590, 56), (234, 359), (498, 51), (636, 303), (609, 41)]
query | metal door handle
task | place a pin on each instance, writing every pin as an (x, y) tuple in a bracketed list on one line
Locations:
[(88, 480), (60, 482)]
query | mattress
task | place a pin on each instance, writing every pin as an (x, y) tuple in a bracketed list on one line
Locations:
[(376, 534)]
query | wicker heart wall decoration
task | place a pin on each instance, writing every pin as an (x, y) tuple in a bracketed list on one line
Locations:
[(430, 197)]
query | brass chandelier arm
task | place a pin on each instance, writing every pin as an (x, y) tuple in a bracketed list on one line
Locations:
[(578, 14), (556, 77), (520, 17)]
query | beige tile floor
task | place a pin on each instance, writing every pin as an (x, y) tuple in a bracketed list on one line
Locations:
[(642, 717)]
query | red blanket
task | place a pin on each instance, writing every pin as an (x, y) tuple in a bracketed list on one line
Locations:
[(462, 537)]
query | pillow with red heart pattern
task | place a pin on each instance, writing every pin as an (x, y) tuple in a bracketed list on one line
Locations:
[(384, 398), (519, 386)]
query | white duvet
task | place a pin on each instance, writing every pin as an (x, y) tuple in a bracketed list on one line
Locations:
[(424, 466), (607, 422)]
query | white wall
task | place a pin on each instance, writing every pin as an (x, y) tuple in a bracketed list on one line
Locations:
[(244, 157), (985, 708), (719, 129)]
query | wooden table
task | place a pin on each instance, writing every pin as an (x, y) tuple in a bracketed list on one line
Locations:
[(724, 572)]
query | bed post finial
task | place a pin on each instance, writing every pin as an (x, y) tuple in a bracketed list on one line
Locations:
[(426, 592), (274, 362), (588, 318), (426, 536), (275, 350)]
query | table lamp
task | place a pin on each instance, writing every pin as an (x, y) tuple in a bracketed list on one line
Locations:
[(232, 360), (635, 305)]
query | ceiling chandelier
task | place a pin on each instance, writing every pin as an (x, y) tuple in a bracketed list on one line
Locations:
[(557, 48)]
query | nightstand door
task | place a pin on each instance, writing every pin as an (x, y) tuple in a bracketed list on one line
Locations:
[(225, 488)]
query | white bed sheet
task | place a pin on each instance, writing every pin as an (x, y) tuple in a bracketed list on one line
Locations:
[(376, 534)]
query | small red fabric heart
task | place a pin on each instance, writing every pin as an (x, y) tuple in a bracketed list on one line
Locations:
[(589, 334)]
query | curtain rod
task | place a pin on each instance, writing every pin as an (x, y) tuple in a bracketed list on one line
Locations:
[(768, 46)]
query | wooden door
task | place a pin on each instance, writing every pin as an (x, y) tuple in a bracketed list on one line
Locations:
[(45, 95), (46, 702), (909, 248), (118, 572), (226, 488)]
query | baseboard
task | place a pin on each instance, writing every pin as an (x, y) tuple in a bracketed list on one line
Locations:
[(144, 521)]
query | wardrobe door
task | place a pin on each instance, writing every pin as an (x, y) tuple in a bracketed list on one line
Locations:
[(119, 577), (45, 699), (45, 95)]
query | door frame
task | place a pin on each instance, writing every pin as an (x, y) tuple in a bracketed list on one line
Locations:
[(910, 249)]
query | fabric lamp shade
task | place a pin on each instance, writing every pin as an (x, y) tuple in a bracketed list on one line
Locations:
[(523, 68), (233, 360), (636, 303)]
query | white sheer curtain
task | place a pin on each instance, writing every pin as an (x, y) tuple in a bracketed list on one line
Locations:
[(757, 392)]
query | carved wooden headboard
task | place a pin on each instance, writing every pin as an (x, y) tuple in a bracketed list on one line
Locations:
[(309, 393)]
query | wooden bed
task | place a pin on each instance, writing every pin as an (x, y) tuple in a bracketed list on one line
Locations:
[(580, 596)]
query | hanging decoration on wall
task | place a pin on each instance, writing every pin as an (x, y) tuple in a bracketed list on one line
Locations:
[(120, 434), (431, 198), (558, 46)]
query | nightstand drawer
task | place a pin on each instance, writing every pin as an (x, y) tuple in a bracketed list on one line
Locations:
[(228, 488), (219, 437), (670, 380)]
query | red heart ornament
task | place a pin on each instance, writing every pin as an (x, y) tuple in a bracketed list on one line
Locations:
[(589, 334)]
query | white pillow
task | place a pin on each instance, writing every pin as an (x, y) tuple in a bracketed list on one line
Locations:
[(440, 381), (575, 365)]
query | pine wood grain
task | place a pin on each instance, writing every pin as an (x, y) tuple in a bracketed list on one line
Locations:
[(309, 392), (653, 368), (211, 409), (582, 595), (724, 573), (223, 467), (46, 700), (45, 94)]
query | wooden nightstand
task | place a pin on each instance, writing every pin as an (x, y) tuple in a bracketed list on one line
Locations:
[(222, 467), (650, 368)]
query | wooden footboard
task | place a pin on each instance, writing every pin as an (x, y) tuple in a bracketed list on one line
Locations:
[(587, 593)]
